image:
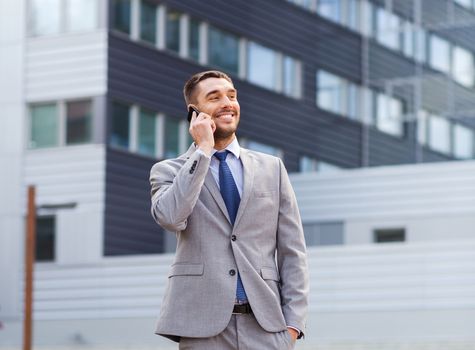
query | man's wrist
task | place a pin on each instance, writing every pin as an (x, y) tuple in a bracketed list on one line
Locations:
[(206, 149)]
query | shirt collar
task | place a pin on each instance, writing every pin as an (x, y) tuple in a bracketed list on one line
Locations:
[(233, 147)]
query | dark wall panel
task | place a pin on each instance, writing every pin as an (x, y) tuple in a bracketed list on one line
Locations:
[(129, 227)]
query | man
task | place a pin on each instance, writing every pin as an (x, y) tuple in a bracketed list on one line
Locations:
[(240, 279)]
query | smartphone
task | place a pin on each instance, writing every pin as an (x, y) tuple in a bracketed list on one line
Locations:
[(190, 112)]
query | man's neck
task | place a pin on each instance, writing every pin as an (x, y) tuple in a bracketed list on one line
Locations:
[(221, 144)]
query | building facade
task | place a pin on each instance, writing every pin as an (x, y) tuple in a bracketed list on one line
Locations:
[(91, 99)]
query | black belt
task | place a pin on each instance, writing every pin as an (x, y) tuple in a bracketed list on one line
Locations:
[(242, 309)]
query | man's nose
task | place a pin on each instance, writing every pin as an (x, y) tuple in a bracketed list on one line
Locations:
[(226, 102)]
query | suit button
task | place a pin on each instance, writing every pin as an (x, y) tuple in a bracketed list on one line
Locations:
[(232, 272), (233, 238)]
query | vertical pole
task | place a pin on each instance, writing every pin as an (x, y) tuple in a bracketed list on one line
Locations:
[(29, 264)]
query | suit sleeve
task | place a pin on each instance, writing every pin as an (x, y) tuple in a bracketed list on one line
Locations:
[(176, 188), (291, 256)]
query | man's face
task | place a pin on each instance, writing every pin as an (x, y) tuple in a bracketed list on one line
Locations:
[(218, 98)]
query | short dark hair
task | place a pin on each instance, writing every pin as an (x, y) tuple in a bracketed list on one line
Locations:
[(190, 86)]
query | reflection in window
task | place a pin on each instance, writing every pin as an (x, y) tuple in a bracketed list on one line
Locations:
[(172, 134), (173, 31), (120, 125), (421, 45), (439, 54), (223, 50), (330, 92), (82, 15), (45, 17), (262, 65), (463, 66), (463, 142), (122, 15), (353, 101), (389, 114), (439, 134), (146, 137), (465, 3), (330, 9), (291, 77), (44, 126), (387, 32), (148, 22), (409, 39), (45, 238), (78, 122), (353, 14), (194, 37)]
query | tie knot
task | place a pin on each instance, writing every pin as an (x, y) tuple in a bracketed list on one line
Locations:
[(221, 155)]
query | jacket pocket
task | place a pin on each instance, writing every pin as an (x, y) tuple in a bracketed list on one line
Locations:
[(269, 273), (182, 269)]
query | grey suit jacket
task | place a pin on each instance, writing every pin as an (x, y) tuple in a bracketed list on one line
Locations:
[(266, 245)]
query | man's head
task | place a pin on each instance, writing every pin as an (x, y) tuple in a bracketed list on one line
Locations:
[(213, 93)]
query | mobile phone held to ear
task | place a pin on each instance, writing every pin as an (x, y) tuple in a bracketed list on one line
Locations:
[(192, 109)]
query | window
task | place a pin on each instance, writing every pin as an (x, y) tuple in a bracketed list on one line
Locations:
[(44, 126), (78, 122), (148, 22), (389, 235), (352, 14), (122, 15), (439, 54), (262, 66), (172, 137), (194, 39), (408, 39), (262, 147), (465, 3), (82, 15), (308, 164), (292, 77), (223, 50), (353, 101), (45, 238), (463, 67), (120, 125), (422, 120), (439, 134), (146, 132), (45, 17), (389, 114), (330, 92), (173, 31), (387, 32), (463, 142), (323, 233), (330, 9), (421, 45)]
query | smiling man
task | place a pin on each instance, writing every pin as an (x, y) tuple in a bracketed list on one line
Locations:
[(240, 278)]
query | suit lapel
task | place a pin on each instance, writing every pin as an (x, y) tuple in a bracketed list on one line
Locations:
[(248, 173), (212, 186)]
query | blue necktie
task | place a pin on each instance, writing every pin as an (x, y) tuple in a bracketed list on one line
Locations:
[(231, 198)]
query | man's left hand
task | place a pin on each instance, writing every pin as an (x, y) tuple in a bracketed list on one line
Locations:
[(293, 333)]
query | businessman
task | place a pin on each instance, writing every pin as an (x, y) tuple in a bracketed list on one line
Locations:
[(239, 279)]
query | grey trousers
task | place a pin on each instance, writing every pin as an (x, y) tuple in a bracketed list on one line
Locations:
[(242, 333)]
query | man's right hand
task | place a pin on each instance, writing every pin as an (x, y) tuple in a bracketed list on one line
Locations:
[(202, 129)]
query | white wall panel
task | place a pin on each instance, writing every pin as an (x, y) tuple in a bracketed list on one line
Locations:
[(66, 66), (72, 175), (11, 155), (399, 292), (431, 201)]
